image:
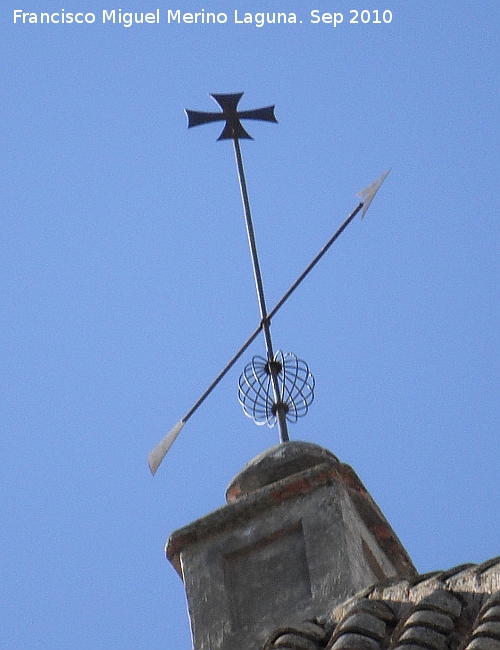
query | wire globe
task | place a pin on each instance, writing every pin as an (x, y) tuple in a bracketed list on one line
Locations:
[(255, 388)]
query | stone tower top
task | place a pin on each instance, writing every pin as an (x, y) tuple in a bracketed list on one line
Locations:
[(299, 534), (278, 463)]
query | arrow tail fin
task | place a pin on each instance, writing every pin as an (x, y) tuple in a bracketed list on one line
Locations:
[(159, 452)]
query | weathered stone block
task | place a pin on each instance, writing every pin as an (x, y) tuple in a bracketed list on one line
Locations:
[(298, 535)]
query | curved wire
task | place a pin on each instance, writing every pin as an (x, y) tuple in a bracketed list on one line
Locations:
[(296, 388)]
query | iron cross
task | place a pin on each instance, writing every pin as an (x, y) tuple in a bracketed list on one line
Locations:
[(233, 129)]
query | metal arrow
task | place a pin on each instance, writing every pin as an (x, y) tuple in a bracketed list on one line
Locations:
[(367, 195)]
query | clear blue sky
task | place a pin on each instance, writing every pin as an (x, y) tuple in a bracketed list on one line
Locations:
[(126, 285)]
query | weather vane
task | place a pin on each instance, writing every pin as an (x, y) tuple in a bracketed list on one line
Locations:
[(279, 387)]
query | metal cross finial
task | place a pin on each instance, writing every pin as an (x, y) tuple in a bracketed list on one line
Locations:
[(233, 128)]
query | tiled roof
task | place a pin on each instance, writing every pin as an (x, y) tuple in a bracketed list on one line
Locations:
[(457, 609)]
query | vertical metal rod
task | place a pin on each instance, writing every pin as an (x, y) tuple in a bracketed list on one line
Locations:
[(280, 407)]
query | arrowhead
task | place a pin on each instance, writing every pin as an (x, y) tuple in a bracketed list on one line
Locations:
[(367, 195), (158, 454)]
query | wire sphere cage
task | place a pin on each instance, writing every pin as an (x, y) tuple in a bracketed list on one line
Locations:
[(256, 393)]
